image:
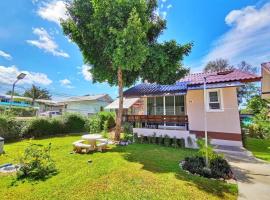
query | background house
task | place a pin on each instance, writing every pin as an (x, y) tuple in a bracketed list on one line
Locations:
[(87, 105)]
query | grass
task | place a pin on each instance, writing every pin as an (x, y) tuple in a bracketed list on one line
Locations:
[(138, 171), (259, 147)]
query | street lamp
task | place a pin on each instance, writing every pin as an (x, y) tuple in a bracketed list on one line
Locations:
[(19, 77)]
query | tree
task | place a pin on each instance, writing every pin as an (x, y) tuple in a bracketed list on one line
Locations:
[(217, 65), (37, 93), (118, 39), (15, 93), (256, 104), (249, 90)]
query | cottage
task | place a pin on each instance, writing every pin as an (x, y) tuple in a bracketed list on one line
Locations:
[(178, 110), (86, 105)]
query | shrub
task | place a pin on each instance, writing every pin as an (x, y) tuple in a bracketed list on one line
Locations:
[(203, 150), (154, 139), (167, 141), (174, 142), (136, 138), (74, 122), (37, 127), (94, 124), (160, 140), (10, 128), (194, 165), (220, 168), (181, 142), (36, 163), (23, 112), (106, 116)]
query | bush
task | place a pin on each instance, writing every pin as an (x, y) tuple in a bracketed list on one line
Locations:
[(10, 128), (19, 111), (128, 131), (36, 163), (167, 141), (181, 142), (69, 123), (74, 122), (175, 143), (106, 116), (136, 138), (154, 139), (220, 168), (161, 140), (194, 165), (94, 124)]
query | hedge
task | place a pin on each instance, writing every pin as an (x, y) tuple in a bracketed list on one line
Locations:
[(11, 128)]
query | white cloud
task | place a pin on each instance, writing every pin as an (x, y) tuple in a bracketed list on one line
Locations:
[(169, 6), (5, 55), (163, 1), (85, 72), (164, 14), (247, 39), (53, 11), (66, 83), (9, 74), (46, 42)]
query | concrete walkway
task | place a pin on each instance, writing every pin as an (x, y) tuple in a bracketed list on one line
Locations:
[(253, 175)]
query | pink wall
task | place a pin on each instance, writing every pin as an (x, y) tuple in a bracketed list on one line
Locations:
[(226, 121)]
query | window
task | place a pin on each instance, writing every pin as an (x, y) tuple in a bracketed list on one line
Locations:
[(214, 100), (169, 105), (179, 105), (150, 106), (159, 106)]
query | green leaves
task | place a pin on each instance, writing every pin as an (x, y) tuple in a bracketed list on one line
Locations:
[(123, 33), (131, 44)]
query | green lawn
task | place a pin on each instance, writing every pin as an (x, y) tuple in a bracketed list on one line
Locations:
[(138, 171), (260, 148)]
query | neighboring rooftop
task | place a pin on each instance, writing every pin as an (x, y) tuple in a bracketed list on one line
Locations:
[(128, 102), (89, 98)]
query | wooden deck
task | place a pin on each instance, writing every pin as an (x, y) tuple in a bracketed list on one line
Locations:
[(181, 119)]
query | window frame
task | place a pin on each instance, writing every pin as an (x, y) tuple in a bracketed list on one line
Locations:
[(220, 100)]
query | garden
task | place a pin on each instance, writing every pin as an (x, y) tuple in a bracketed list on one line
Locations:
[(146, 169), (136, 171)]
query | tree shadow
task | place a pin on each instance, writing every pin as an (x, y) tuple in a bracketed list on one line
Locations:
[(158, 159)]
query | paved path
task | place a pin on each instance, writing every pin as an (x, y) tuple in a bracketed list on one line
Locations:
[(253, 175)]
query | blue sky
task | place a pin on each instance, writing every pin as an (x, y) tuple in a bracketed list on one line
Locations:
[(32, 41)]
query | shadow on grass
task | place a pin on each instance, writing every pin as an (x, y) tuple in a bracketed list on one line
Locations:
[(158, 159)]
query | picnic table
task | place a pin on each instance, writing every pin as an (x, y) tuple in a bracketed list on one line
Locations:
[(92, 139)]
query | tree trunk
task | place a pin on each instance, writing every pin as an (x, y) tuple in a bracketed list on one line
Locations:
[(120, 110)]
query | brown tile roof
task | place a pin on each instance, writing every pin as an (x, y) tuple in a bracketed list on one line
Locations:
[(266, 66), (217, 77)]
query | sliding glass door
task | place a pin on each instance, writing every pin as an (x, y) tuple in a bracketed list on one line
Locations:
[(166, 105)]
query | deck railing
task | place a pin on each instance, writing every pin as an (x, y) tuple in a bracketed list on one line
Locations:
[(158, 119)]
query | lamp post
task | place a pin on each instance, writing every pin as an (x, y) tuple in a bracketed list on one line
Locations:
[(19, 77), (205, 120)]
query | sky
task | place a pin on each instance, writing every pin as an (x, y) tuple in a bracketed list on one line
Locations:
[(32, 41)]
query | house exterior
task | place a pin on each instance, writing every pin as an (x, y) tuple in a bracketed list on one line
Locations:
[(41, 105), (178, 110), (266, 80), (86, 105)]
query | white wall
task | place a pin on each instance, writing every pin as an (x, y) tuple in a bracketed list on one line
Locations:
[(226, 121), (265, 83), (85, 107)]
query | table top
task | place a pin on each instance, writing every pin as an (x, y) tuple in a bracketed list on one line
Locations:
[(91, 136)]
